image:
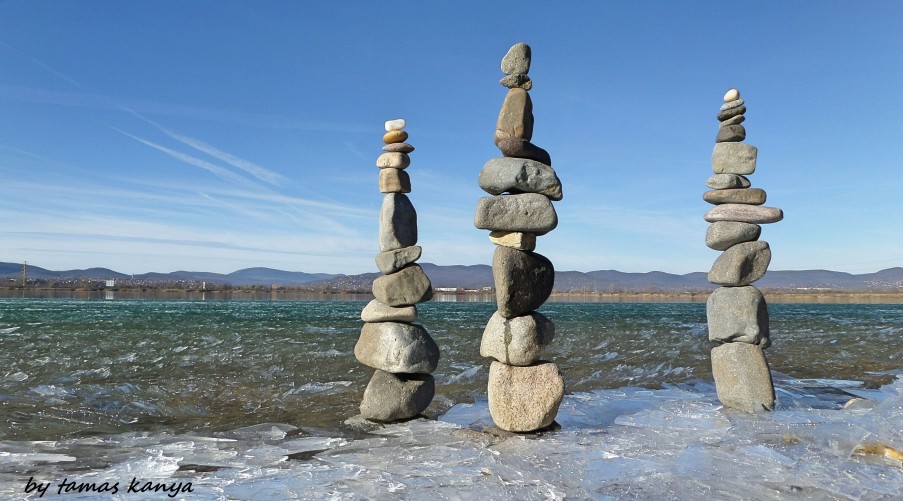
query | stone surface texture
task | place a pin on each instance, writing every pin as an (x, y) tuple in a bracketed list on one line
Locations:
[(749, 196), (523, 399), (523, 281), (519, 175), (727, 181), (738, 314), (527, 212), (734, 158), (517, 341), (517, 81), (394, 181), (741, 264), (514, 239), (381, 312), (407, 286), (393, 160), (756, 214), (730, 113), (394, 260), (723, 235), (731, 133), (515, 117), (516, 147), (397, 347), (517, 59), (742, 377), (391, 397), (397, 222)]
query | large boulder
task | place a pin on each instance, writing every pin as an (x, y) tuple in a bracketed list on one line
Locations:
[(524, 399), (397, 348)]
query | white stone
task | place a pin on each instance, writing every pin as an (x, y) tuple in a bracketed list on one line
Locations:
[(731, 95), (397, 124)]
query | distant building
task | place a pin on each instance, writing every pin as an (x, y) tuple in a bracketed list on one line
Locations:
[(110, 283)]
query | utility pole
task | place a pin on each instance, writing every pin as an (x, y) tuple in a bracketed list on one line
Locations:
[(24, 273)]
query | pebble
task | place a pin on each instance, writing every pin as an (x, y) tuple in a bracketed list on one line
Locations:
[(397, 124), (516, 341), (393, 160), (514, 239), (517, 59), (398, 148), (395, 136), (391, 397), (517, 81), (734, 158), (397, 222), (515, 117), (731, 95), (394, 260), (727, 181), (731, 105), (523, 399), (527, 212), (519, 175), (730, 113), (742, 378), (397, 348), (731, 134), (516, 147), (523, 281), (407, 286), (741, 264), (723, 235), (394, 181), (750, 196), (738, 315), (381, 312), (756, 214)]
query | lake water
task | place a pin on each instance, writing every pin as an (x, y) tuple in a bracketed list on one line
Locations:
[(245, 400)]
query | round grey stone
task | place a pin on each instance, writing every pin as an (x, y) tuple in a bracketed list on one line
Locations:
[(727, 181), (742, 378), (731, 134), (735, 120), (738, 314), (397, 222), (394, 260), (396, 347), (527, 212), (732, 104), (516, 341), (748, 196), (723, 235), (408, 286), (523, 281), (517, 60), (756, 214), (519, 175), (392, 397), (741, 264)]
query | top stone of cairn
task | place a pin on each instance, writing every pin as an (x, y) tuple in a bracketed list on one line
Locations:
[(517, 60), (731, 95), (397, 124)]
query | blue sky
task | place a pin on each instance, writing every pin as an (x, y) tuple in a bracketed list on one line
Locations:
[(216, 135)]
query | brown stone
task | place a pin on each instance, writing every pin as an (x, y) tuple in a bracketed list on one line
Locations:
[(514, 239), (395, 136), (394, 181), (516, 147), (515, 117)]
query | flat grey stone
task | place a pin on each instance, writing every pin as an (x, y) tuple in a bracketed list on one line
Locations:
[(392, 397), (730, 113), (527, 212), (734, 120), (517, 341), (756, 214), (742, 378), (734, 158), (722, 235), (397, 348), (524, 399), (516, 147), (407, 286), (730, 134), (519, 175), (517, 59), (748, 196), (394, 181), (394, 260), (517, 81), (381, 312), (398, 147), (515, 117), (397, 222), (727, 181), (523, 281), (738, 314), (732, 104), (741, 264)]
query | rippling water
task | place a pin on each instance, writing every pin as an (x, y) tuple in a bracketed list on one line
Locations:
[(75, 369)]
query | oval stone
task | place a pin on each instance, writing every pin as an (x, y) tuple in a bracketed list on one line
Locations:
[(741, 264), (528, 213), (524, 399), (756, 214), (731, 134), (723, 235), (516, 341), (398, 147), (519, 175), (393, 160), (392, 397), (749, 196), (397, 222), (397, 124), (517, 59), (395, 136), (738, 315), (732, 104), (727, 181), (734, 120), (515, 117), (407, 286), (396, 347), (523, 281), (731, 95), (380, 312)]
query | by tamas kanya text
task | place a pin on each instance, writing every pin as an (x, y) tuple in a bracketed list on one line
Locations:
[(135, 485)]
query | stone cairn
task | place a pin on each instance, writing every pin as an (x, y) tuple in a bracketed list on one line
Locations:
[(402, 352), (524, 391), (737, 312)]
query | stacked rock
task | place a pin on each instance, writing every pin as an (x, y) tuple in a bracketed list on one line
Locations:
[(736, 312), (524, 391), (402, 352)]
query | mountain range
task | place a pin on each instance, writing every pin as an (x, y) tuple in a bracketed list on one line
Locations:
[(477, 276)]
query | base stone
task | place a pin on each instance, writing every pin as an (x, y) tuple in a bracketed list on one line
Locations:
[(523, 399), (742, 378), (391, 397)]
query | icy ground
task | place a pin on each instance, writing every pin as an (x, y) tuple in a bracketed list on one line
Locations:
[(827, 440)]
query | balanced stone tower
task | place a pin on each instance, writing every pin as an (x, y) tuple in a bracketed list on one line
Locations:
[(402, 352), (524, 391), (737, 312)]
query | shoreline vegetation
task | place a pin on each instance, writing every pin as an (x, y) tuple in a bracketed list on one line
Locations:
[(257, 292)]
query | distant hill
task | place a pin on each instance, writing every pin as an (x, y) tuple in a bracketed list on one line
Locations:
[(480, 275)]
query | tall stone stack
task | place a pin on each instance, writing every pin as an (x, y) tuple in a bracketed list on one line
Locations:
[(524, 391), (402, 352), (737, 312)]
